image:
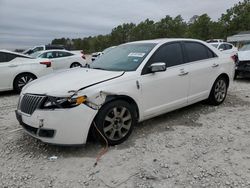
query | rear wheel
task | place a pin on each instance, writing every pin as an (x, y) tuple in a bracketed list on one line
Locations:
[(219, 91), (115, 121), (73, 65), (21, 80)]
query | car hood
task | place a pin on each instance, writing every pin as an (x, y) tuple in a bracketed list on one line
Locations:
[(244, 55), (61, 82)]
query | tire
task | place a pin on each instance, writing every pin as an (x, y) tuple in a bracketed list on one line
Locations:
[(21, 80), (73, 65), (219, 91), (236, 75), (115, 121)]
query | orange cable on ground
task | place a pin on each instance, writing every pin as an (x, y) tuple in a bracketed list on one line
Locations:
[(104, 150)]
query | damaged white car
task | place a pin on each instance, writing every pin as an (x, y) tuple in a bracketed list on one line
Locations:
[(133, 82)]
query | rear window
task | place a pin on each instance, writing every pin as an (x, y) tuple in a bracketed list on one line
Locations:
[(197, 51), (59, 54), (6, 57)]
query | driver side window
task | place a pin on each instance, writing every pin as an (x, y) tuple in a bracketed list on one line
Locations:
[(170, 53)]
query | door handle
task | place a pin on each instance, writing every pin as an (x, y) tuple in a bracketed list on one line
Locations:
[(215, 65), (12, 65), (183, 73)]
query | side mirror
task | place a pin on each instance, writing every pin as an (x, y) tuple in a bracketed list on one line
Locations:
[(158, 67), (221, 49)]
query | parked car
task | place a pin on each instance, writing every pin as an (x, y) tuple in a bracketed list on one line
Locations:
[(243, 63), (225, 47), (98, 54), (95, 55), (42, 48), (62, 59), (215, 40), (133, 82), (16, 70)]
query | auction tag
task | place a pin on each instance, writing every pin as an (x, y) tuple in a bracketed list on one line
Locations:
[(136, 54)]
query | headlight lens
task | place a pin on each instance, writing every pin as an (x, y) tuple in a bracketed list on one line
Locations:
[(57, 102)]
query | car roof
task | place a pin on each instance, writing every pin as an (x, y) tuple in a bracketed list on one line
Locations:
[(15, 53), (58, 50), (219, 43), (165, 40)]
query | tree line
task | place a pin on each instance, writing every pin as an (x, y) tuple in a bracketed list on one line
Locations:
[(202, 27)]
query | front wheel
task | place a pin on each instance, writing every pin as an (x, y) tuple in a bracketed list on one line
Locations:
[(219, 91), (115, 121), (21, 80)]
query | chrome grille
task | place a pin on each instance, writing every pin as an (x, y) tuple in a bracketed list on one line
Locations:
[(29, 103)]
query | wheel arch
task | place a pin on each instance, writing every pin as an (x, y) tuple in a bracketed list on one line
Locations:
[(128, 99), (224, 75), (75, 62), (111, 98)]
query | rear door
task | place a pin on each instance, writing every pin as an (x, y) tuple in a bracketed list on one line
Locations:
[(7, 70), (203, 65), (165, 91), (62, 60)]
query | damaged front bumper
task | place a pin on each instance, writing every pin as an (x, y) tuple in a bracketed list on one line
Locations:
[(59, 126)]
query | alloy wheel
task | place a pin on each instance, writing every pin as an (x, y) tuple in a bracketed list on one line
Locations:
[(23, 81), (117, 123), (220, 90)]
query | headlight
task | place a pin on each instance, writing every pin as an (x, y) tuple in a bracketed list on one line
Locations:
[(57, 102)]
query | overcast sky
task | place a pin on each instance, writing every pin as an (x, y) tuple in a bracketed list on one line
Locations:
[(25, 23)]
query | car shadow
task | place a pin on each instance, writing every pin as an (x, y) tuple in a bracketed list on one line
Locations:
[(186, 116), (8, 93), (241, 79)]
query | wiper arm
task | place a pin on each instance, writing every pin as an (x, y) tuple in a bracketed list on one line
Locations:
[(98, 68)]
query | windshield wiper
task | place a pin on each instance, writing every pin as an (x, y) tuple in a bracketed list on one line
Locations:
[(98, 68)]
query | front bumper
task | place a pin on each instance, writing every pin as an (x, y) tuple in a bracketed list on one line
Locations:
[(59, 126)]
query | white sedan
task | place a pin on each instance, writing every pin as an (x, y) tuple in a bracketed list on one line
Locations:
[(62, 59), (133, 82), (225, 47), (16, 70)]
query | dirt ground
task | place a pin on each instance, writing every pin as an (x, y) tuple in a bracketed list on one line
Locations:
[(197, 146)]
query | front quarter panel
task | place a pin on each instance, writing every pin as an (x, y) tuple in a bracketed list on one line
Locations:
[(125, 85)]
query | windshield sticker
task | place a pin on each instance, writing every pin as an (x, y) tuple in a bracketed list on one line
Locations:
[(136, 54)]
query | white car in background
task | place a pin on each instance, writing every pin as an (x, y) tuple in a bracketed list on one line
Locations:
[(133, 82), (98, 54), (62, 59), (225, 47), (16, 70), (35, 49)]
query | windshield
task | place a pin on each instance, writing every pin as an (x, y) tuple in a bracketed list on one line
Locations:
[(215, 45), (125, 57), (246, 47)]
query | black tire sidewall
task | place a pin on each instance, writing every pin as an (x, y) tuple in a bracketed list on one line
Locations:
[(103, 112)]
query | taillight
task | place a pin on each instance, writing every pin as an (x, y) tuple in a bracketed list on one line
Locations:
[(235, 58), (47, 63), (83, 56)]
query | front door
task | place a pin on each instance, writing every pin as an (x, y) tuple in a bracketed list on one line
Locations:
[(165, 91)]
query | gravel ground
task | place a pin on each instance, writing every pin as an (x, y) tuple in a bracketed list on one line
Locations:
[(197, 146)]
